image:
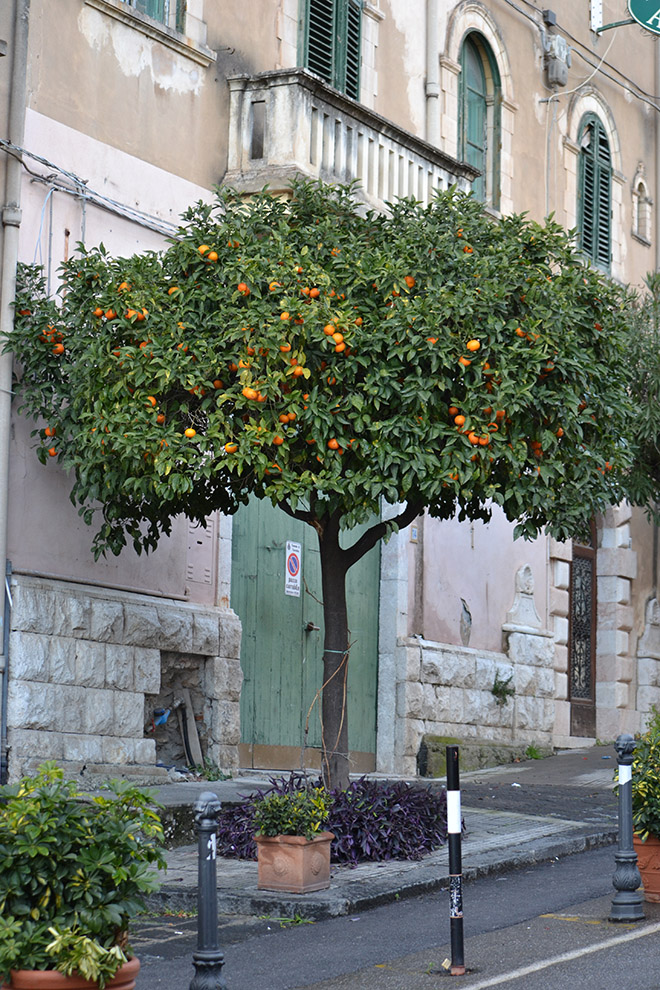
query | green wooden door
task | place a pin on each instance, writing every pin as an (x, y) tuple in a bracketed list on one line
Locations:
[(282, 644)]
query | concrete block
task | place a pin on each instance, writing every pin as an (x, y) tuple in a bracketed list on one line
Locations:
[(119, 667), (62, 660), (29, 656), (561, 658), (118, 750), (98, 712), (530, 714), (410, 700), (106, 621), (82, 747), (558, 601), (562, 575), (146, 670), (562, 718), (617, 561), (413, 663), (412, 736), (33, 609), (533, 650), (141, 625), (206, 637), (76, 611), (560, 627), (90, 663), (225, 722), (32, 705), (176, 626), (648, 672), (229, 634), (35, 744), (561, 686), (561, 549), (145, 751), (129, 714)]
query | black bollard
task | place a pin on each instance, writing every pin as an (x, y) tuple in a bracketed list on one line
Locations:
[(455, 865), (627, 902), (208, 959)]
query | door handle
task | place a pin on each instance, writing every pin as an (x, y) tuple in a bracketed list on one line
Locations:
[(310, 627)]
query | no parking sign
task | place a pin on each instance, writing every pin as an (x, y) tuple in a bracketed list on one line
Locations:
[(293, 568)]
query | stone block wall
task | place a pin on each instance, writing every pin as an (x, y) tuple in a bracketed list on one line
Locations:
[(81, 661)]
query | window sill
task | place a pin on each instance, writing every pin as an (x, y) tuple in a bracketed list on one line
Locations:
[(640, 239), (153, 29)]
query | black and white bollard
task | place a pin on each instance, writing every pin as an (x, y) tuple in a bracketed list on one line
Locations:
[(208, 959), (455, 865), (627, 902)]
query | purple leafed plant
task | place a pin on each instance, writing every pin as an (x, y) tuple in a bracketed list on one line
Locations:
[(371, 820)]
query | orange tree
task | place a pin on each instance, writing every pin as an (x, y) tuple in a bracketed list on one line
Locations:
[(345, 365)]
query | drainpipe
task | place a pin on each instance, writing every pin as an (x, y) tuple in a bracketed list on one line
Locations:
[(432, 75), (11, 218)]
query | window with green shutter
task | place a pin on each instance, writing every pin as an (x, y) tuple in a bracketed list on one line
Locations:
[(479, 116), (168, 12), (595, 192), (332, 42)]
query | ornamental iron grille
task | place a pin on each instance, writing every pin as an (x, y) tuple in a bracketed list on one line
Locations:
[(582, 639)]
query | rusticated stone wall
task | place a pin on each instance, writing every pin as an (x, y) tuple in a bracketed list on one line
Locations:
[(81, 661)]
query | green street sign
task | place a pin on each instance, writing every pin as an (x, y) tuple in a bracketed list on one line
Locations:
[(646, 13)]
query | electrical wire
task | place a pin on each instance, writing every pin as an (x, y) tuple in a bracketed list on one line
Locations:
[(80, 189)]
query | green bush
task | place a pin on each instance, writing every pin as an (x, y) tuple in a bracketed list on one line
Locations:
[(73, 872), (302, 812), (646, 780)]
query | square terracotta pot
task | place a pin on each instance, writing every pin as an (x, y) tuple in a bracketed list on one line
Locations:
[(293, 863)]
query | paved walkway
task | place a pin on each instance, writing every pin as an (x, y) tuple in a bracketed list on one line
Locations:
[(497, 838)]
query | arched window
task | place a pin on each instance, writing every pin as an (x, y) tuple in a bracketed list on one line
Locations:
[(332, 42), (641, 207), (479, 116), (595, 192)]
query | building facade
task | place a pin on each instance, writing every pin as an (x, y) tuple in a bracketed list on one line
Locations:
[(115, 115)]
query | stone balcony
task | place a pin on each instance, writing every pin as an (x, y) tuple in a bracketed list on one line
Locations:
[(289, 122)]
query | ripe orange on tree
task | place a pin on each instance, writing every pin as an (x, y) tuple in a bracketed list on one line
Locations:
[(231, 448), (410, 281), (473, 345), (278, 441), (190, 433), (203, 248), (212, 256), (52, 452), (333, 444)]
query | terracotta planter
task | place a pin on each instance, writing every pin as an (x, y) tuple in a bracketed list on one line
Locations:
[(50, 979), (648, 860), (294, 863)]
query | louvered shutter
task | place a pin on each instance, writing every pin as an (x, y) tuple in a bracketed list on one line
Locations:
[(595, 191), (153, 8), (320, 38), (332, 43), (353, 39)]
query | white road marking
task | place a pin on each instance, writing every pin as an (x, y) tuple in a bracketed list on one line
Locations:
[(516, 974)]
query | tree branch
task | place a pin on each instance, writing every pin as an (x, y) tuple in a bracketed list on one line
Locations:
[(351, 555), (305, 517)]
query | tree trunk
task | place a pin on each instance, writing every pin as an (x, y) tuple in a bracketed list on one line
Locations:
[(335, 659)]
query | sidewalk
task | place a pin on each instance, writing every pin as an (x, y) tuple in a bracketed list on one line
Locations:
[(571, 791)]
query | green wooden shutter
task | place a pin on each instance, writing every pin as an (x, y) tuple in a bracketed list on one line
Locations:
[(473, 113), (332, 43), (595, 193)]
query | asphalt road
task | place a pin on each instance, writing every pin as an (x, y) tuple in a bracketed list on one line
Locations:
[(512, 921)]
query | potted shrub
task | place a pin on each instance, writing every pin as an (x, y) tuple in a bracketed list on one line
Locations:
[(293, 851), (73, 872), (646, 806)]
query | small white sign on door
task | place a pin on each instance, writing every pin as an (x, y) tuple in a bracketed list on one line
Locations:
[(293, 568)]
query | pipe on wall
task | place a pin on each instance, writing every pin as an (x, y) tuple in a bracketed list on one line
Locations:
[(11, 219), (432, 75)]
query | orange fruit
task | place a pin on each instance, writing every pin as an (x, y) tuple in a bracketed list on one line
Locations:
[(110, 314), (50, 431), (160, 418), (432, 340), (123, 286), (274, 285), (278, 441), (467, 249), (409, 280), (337, 337), (283, 417), (285, 316), (151, 400), (340, 347), (98, 311), (285, 348), (315, 293), (231, 448), (472, 437), (333, 444), (452, 410), (190, 433), (217, 383), (249, 393), (52, 452), (464, 361), (459, 420), (243, 289), (172, 289), (243, 363), (473, 345), (212, 256), (298, 371), (203, 248)]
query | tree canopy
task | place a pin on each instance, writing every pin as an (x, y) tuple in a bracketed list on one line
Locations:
[(320, 352)]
